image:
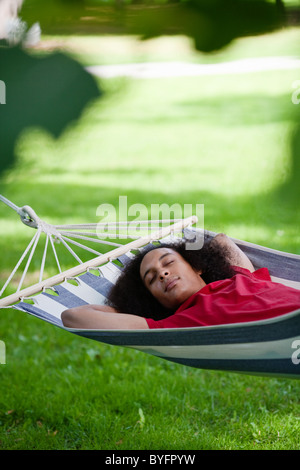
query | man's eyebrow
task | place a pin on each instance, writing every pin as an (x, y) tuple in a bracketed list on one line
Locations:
[(160, 258)]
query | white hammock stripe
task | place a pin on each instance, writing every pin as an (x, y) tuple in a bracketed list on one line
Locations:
[(48, 305), (84, 292), (110, 272)]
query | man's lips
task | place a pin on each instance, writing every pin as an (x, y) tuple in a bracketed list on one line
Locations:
[(171, 283)]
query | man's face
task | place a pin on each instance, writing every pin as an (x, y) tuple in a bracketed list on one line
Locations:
[(169, 278)]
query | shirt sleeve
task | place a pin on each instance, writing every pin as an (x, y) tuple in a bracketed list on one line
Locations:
[(261, 273), (173, 321), (155, 323), (180, 319)]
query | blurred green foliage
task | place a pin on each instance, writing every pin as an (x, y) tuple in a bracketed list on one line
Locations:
[(212, 24), (45, 92)]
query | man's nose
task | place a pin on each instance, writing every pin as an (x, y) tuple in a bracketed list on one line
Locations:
[(163, 274)]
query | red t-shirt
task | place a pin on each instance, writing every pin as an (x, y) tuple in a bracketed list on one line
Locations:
[(243, 298)]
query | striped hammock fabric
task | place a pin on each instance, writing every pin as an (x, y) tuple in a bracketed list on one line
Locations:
[(268, 347)]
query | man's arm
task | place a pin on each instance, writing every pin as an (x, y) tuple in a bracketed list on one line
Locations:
[(101, 317), (235, 255)]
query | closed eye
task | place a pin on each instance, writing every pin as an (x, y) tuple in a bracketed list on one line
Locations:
[(152, 280), (164, 265), (169, 262)]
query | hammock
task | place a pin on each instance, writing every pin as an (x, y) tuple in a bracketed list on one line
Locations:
[(267, 347)]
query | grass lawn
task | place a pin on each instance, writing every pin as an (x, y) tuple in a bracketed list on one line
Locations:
[(222, 141)]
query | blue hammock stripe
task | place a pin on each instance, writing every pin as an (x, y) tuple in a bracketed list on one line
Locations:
[(267, 347)]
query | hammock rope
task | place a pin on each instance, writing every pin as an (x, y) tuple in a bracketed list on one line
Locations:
[(155, 229), (268, 347)]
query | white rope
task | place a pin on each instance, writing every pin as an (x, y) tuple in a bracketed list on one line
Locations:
[(38, 233), (81, 246), (18, 264), (98, 240), (91, 236), (44, 258), (119, 235), (84, 237), (70, 250), (10, 204), (115, 224), (76, 227), (55, 254)]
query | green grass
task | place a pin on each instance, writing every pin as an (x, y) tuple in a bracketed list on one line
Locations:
[(221, 141)]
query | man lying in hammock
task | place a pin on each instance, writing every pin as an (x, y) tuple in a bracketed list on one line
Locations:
[(168, 286)]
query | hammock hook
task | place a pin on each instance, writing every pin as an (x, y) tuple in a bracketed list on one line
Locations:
[(29, 217)]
